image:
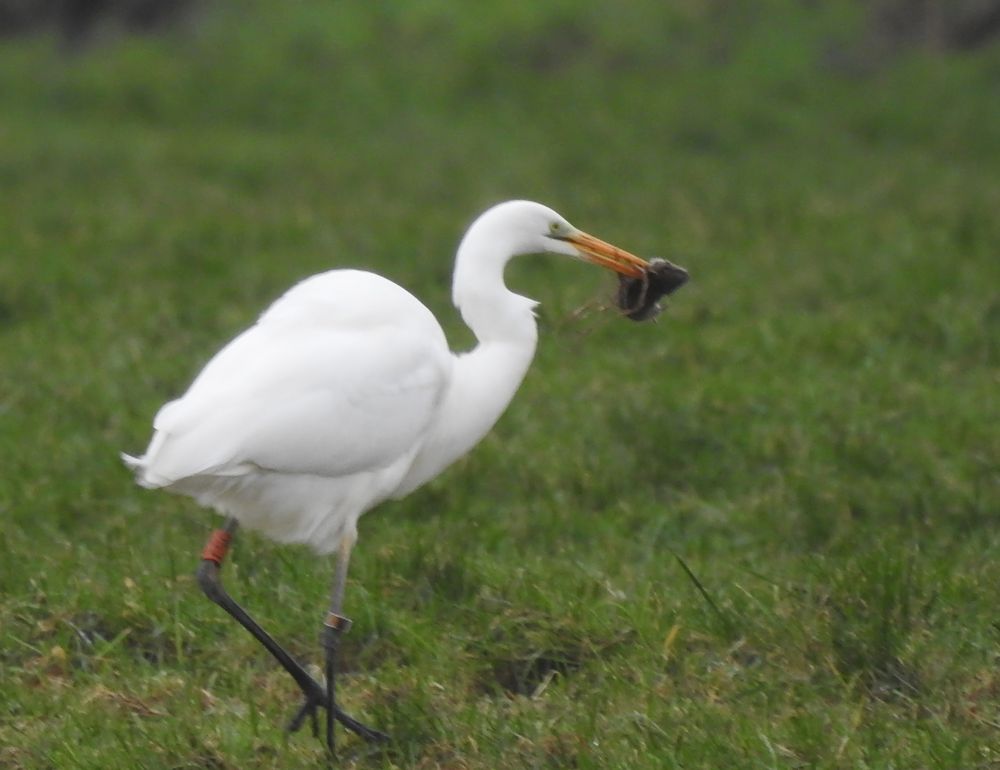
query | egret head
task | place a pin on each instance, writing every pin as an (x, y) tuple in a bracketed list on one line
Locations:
[(523, 227), (526, 227)]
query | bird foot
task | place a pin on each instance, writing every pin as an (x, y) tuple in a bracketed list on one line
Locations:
[(310, 710)]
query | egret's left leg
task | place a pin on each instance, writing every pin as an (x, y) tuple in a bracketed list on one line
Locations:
[(334, 625)]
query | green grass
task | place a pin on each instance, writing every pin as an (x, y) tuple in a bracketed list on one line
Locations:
[(760, 533)]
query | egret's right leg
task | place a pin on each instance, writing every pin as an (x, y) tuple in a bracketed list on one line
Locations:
[(211, 584)]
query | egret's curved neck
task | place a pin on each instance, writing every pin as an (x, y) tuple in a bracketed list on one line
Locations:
[(484, 380), (488, 307)]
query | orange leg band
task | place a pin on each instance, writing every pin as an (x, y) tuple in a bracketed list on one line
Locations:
[(217, 545)]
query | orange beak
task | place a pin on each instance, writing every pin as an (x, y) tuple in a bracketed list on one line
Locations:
[(604, 254)]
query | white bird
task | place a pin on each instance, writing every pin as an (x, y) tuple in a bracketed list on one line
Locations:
[(345, 394)]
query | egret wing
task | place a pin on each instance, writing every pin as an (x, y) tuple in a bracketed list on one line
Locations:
[(316, 390)]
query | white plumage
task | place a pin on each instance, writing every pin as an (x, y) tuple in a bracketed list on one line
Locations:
[(345, 393), (311, 415)]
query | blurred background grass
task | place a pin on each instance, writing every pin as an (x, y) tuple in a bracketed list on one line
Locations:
[(811, 427)]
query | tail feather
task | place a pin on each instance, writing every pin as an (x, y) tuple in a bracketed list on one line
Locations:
[(132, 463), (143, 476)]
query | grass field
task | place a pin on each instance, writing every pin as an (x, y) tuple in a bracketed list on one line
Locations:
[(761, 533)]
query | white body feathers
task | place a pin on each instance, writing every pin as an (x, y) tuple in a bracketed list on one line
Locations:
[(345, 393)]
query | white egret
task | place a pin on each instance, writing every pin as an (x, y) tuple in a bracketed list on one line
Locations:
[(344, 394)]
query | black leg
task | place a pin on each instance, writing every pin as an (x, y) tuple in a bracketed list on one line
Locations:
[(330, 640), (334, 625), (315, 694)]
